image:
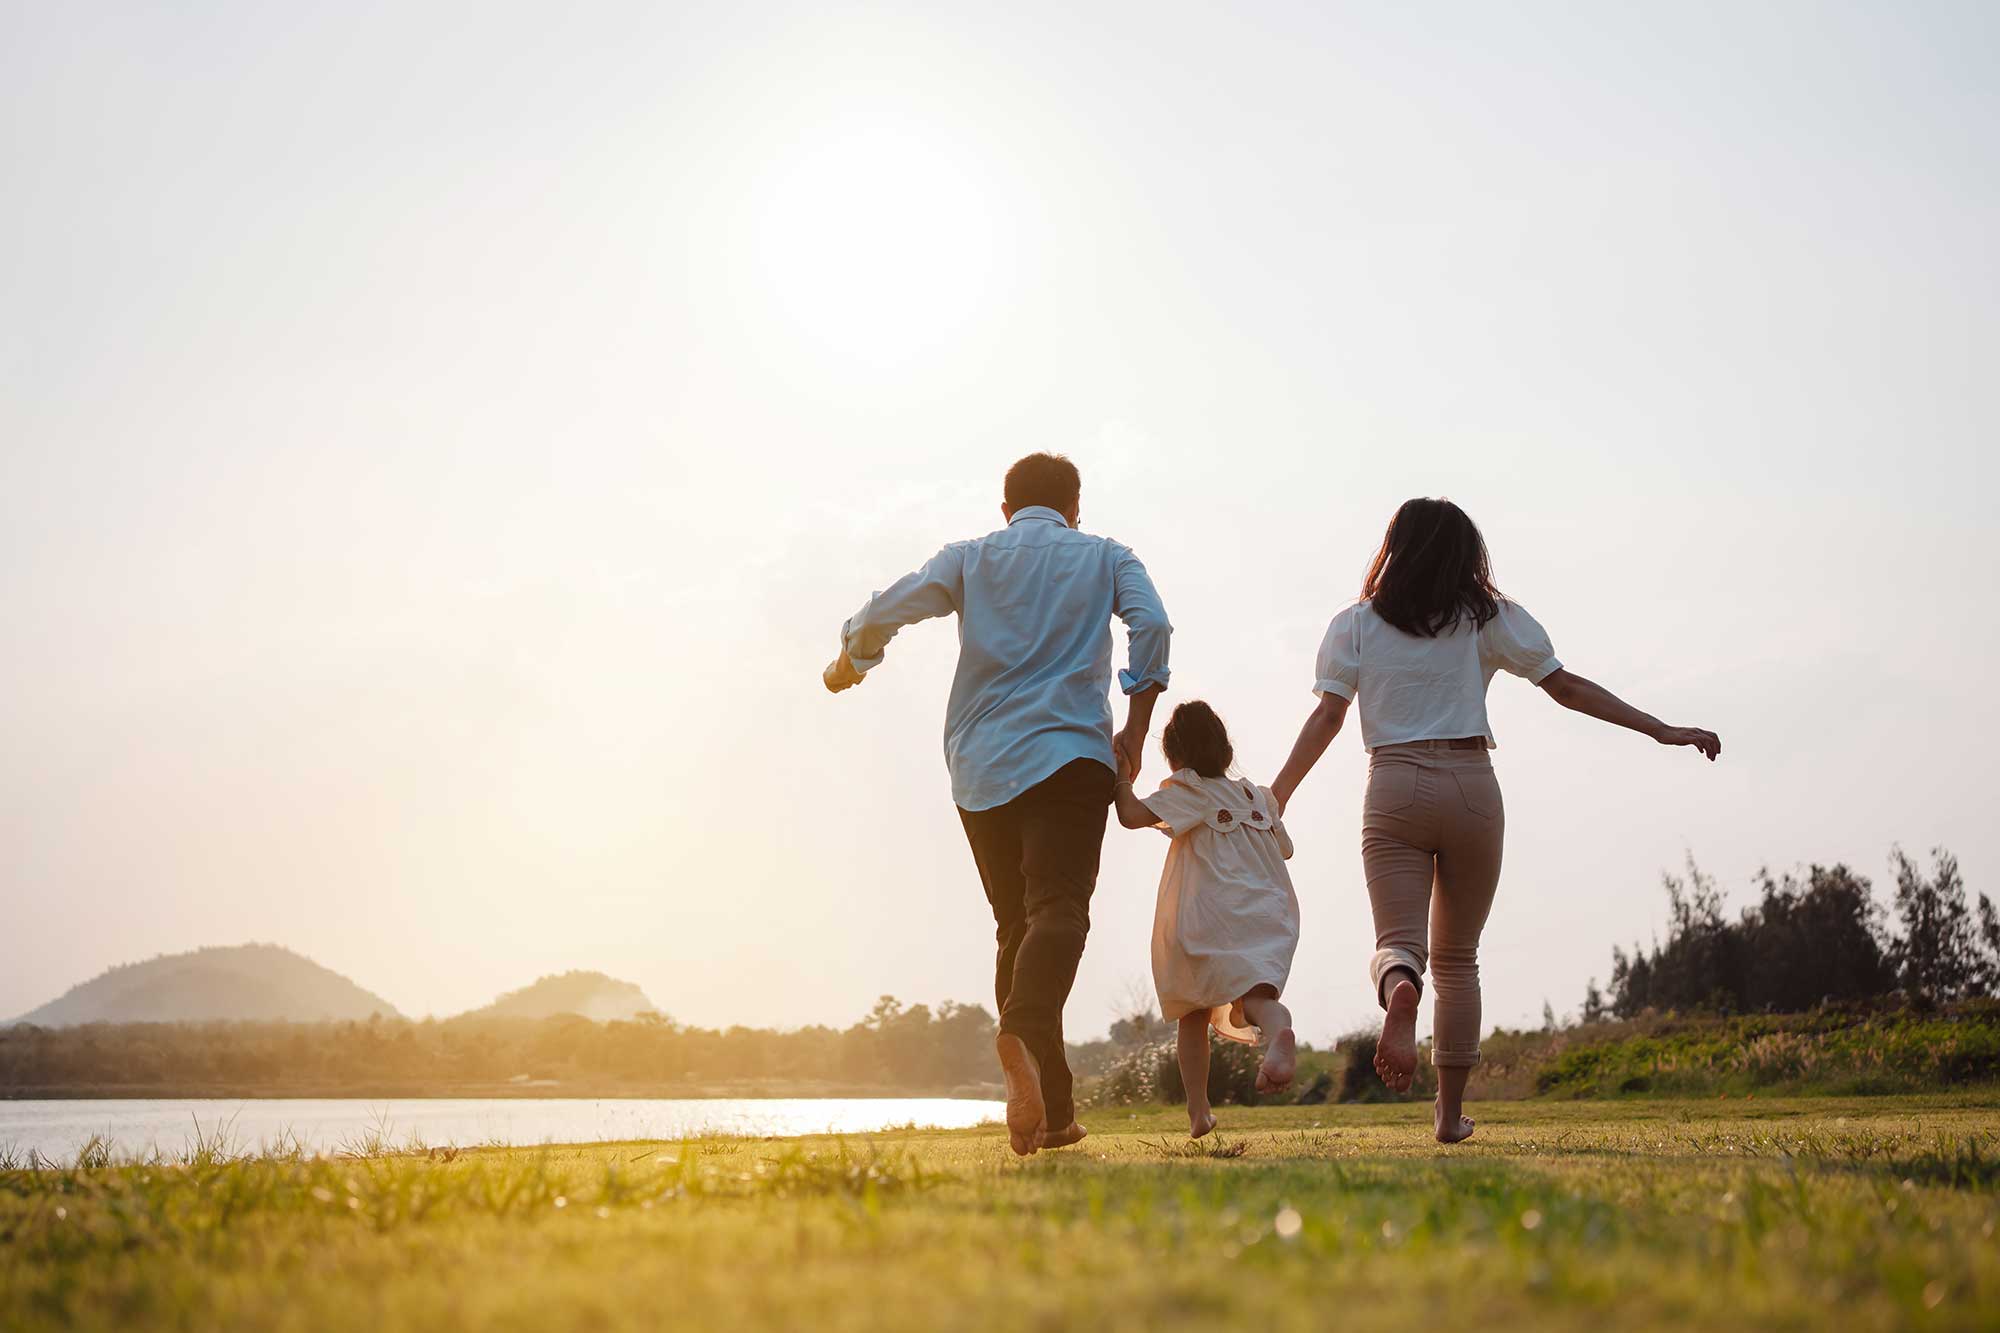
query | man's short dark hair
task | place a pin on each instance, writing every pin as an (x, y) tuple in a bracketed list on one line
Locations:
[(1044, 479)]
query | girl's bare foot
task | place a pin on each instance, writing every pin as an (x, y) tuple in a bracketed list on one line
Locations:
[(1062, 1138), (1200, 1125), (1027, 1118), (1396, 1051), (1457, 1133), (1281, 1059)]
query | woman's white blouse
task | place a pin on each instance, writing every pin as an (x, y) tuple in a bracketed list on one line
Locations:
[(1411, 688)]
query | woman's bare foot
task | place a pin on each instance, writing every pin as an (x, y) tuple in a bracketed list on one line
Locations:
[(1281, 1060), (1458, 1133), (1396, 1051), (1200, 1125), (1062, 1138), (1027, 1118)]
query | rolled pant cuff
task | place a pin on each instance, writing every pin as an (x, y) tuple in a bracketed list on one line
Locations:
[(1386, 961), (1454, 1059)]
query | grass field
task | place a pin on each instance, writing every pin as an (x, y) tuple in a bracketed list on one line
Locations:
[(1860, 1214)]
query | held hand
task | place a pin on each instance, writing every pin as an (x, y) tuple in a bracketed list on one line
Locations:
[(1128, 750), (1283, 796), (1126, 773), (840, 674), (1707, 742)]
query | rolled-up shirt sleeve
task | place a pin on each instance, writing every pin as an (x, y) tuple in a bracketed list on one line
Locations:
[(1338, 670), (1147, 631), (934, 590), (1515, 642)]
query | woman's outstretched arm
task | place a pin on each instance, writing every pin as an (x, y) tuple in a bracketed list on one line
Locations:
[(1593, 700), (1314, 737)]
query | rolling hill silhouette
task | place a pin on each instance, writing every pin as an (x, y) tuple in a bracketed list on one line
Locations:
[(245, 981), (591, 994)]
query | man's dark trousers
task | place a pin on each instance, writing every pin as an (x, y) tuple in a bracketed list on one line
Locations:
[(1038, 858)]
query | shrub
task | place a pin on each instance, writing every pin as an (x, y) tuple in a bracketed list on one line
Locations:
[(1360, 1083), (1151, 1074)]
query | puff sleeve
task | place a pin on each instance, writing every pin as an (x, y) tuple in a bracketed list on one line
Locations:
[(1515, 642), (1338, 671), (1179, 806)]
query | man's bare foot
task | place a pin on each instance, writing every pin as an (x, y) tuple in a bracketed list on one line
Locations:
[(1027, 1118), (1062, 1138), (1396, 1051), (1458, 1133), (1200, 1125), (1281, 1059)]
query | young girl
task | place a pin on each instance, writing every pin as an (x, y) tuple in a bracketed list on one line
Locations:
[(1227, 922)]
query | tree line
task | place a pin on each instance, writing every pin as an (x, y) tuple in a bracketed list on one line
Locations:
[(1811, 938), (895, 1046)]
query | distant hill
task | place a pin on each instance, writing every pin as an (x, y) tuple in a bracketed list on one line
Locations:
[(591, 994), (245, 981)]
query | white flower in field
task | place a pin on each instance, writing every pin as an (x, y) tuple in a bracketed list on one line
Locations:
[(62, 1214), (561, 1202), (1531, 1219), (322, 1193), (602, 1212), (1287, 1224)]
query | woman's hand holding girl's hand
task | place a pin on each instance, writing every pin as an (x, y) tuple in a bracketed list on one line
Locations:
[(1707, 742)]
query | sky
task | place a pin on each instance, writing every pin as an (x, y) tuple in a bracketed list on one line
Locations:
[(439, 444)]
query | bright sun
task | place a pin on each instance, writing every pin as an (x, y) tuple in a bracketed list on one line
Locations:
[(879, 241)]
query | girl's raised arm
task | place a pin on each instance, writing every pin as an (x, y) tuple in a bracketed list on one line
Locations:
[(1132, 812)]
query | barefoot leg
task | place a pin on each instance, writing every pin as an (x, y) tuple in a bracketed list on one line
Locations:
[(1453, 1125), (1026, 1118), (1396, 1052), (1191, 1044), (1062, 1138), (1281, 1047)]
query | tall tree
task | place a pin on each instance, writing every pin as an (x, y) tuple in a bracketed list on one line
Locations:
[(1939, 955)]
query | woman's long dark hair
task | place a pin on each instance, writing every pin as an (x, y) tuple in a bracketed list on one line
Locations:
[(1432, 571)]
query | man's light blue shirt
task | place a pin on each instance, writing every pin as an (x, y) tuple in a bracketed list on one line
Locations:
[(1034, 603)]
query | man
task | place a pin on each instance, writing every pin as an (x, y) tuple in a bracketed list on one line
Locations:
[(1029, 745)]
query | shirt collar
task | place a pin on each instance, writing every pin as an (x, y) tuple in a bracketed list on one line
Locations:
[(1040, 512)]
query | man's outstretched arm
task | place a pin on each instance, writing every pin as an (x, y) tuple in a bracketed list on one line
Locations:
[(1148, 634), (929, 592)]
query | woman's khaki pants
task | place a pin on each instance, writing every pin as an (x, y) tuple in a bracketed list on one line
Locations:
[(1431, 831)]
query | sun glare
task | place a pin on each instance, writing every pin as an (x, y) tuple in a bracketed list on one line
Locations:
[(879, 242)]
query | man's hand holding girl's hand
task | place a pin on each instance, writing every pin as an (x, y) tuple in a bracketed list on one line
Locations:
[(1126, 772), (840, 674), (1127, 749)]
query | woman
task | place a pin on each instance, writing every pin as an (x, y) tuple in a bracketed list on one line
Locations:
[(1417, 652)]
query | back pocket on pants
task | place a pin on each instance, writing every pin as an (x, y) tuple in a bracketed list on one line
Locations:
[(1481, 790), (1391, 787)]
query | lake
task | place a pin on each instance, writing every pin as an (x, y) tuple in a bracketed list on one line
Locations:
[(138, 1127)]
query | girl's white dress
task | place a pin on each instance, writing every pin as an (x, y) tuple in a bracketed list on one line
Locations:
[(1227, 919)]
